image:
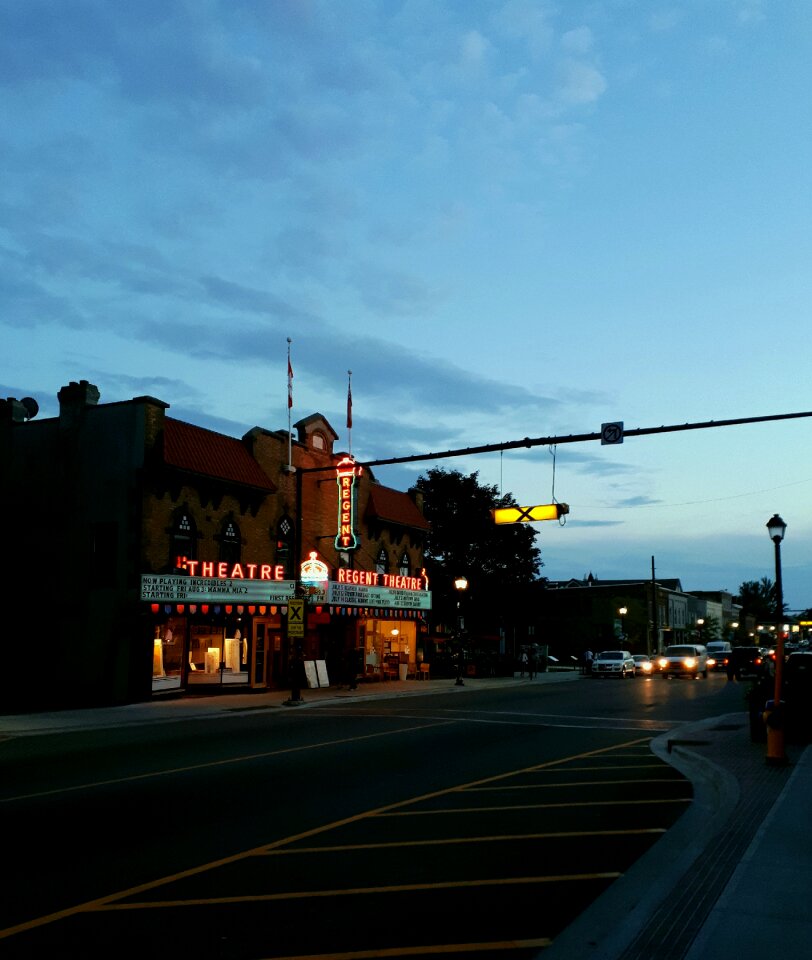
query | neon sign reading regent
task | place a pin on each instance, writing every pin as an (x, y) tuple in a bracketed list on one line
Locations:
[(366, 578), (346, 472), (231, 571)]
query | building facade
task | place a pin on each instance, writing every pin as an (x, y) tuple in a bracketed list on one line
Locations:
[(161, 557)]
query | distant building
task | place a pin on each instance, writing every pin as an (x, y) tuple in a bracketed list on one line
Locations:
[(153, 556)]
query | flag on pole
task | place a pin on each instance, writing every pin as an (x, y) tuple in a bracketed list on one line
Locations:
[(290, 380), (349, 400)]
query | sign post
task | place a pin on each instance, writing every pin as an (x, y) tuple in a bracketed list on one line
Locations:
[(295, 630)]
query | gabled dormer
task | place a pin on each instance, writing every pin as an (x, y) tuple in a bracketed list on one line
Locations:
[(316, 434)]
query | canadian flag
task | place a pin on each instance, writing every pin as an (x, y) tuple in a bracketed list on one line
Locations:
[(349, 404), (290, 384)]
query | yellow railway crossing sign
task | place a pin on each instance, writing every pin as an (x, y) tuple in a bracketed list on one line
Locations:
[(295, 618), (545, 511)]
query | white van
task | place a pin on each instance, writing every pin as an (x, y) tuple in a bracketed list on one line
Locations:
[(684, 660)]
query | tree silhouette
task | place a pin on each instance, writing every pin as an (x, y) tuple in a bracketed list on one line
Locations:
[(759, 599)]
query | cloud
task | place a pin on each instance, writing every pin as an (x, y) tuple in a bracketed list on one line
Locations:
[(578, 41), (579, 83)]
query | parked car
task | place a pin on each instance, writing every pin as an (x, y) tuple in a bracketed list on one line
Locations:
[(643, 664), (684, 660), (613, 663)]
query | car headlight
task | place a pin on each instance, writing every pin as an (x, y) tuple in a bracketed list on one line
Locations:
[(689, 662), (662, 662), (711, 662), (646, 667)]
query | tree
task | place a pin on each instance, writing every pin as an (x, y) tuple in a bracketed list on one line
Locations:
[(464, 538), (759, 599), (465, 541)]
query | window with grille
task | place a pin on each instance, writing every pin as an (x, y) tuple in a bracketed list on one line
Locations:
[(230, 543), (183, 539)]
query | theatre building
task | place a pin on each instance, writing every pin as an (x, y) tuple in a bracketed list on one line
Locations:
[(155, 557)]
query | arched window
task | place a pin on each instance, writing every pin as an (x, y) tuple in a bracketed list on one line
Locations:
[(230, 542), (183, 538), (381, 561), (403, 566)]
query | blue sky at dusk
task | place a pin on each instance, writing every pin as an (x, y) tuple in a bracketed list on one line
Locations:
[(508, 219)]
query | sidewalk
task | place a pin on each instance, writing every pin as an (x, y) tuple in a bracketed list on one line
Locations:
[(729, 881)]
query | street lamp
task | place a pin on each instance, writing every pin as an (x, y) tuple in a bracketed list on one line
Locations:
[(776, 528), (623, 611), (460, 585), (700, 624)]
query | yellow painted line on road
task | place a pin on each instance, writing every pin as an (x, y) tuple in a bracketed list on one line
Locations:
[(620, 766), (357, 891), (430, 949), (531, 806), (574, 783), (103, 902), (223, 763), (496, 838)]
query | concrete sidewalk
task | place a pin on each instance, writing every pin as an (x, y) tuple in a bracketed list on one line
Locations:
[(729, 880)]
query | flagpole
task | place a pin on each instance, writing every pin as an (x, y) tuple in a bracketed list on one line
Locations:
[(349, 408), (290, 405)]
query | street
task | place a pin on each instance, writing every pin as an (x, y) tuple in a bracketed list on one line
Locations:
[(480, 823)]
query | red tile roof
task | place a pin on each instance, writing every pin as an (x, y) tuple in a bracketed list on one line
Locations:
[(395, 507), (212, 455)]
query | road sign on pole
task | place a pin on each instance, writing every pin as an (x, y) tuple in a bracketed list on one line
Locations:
[(296, 618), (612, 432), (545, 511)]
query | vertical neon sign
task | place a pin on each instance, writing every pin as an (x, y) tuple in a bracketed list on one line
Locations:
[(346, 472)]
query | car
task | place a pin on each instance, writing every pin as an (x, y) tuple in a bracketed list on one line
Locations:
[(684, 660), (613, 663), (747, 661), (643, 664), (718, 654)]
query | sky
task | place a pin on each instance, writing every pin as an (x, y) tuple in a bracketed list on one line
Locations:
[(507, 218)]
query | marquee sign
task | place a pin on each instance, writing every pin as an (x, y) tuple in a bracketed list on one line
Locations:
[(213, 582), (346, 472), (163, 588), (352, 595), (366, 588)]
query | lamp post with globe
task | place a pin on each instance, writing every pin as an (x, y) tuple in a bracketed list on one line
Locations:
[(460, 585), (776, 528)]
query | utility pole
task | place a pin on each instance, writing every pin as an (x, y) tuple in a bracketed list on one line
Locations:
[(654, 637)]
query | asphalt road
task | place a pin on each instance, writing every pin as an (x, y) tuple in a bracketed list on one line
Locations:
[(474, 823)]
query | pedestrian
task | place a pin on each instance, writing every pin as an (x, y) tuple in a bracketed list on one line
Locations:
[(531, 664), (524, 663), (588, 658)]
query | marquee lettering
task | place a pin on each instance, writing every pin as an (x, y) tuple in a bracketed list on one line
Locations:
[(346, 472), (367, 578), (230, 571)]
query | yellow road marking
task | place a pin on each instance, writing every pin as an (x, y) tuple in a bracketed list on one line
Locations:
[(446, 948), (356, 891), (102, 902), (496, 838), (574, 783), (531, 806)]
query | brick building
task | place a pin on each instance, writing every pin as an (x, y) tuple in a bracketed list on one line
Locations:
[(156, 556)]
